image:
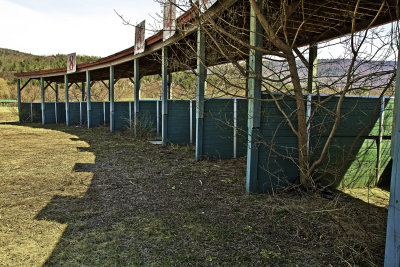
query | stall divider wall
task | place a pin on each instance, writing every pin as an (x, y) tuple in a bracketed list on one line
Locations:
[(225, 133)]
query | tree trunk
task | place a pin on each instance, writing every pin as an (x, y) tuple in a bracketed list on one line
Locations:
[(305, 178)]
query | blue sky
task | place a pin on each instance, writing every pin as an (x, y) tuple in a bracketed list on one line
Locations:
[(90, 27)]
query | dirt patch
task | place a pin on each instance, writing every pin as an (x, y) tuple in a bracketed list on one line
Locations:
[(74, 196)]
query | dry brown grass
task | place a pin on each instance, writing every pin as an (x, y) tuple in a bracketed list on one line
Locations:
[(72, 196), (8, 114)]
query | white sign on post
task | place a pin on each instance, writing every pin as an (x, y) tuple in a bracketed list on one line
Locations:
[(206, 4), (169, 19), (71, 63), (140, 37)]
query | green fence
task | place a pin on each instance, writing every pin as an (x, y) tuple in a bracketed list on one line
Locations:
[(357, 155)]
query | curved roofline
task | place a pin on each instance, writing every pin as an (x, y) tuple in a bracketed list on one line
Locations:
[(189, 21), (108, 60)]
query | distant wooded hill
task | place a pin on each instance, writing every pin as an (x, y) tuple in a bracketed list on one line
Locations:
[(183, 84), (12, 61)]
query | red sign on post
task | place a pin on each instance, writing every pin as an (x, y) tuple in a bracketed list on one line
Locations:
[(140, 37), (71, 63), (169, 19)]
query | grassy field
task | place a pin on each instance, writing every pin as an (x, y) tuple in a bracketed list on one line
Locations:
[(72, 196)]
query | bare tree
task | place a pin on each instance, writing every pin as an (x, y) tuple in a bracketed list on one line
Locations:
[(365, 65)]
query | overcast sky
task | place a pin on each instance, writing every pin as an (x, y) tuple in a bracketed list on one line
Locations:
[(87, 27)]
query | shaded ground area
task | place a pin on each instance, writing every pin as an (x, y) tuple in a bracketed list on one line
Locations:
[(74, 196)]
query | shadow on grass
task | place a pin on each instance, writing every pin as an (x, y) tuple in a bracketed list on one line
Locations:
[(154, 205)]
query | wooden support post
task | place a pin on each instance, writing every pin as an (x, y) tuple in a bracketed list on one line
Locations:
[(42, 100), (19, 99), (88, 100), (112, 110), (164, 105), (56, 91), (254, 110), (201, 80), (136, 94), (392, 251), (66, 100), (312, 73), (83, 91)]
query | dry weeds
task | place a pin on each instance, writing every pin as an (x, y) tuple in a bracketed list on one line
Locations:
[(72, 196)]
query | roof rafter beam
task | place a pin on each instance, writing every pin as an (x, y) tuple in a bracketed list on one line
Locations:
[(25, 84)]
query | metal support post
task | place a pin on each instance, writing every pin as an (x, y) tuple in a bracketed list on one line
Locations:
[(112, 110), (201, 80), (164, 105), (254, 110)]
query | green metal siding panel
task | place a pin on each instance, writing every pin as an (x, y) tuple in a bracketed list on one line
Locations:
[(84, 113), (74, 117), (25, 112), (242, 135), (61, 112), (358, 168), (37, 112), (178, 121), (355, 115), (97, 116), (194, 122), (278, 145), (218, 128), (388, 118), (121, 115), (50, 113), (147, 115), (107, 105)]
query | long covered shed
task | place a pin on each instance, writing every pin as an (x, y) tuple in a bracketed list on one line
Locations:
[(306, 23)]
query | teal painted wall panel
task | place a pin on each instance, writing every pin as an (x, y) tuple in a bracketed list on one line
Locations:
[(74, 113), (355, 115), (50, 113), (25, 112), (84, 113), (148, 115), (179, 121), (194, 122), (61, 112), (277, 145), (350, 163), (242, 135), (121, 115), (37, 112), (97, 114), (107, 105), (388, 117), (218, 128)]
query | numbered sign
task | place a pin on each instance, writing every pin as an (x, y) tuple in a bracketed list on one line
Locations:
[(169, 19), (71, 63), (140, 37), (206, 4)]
